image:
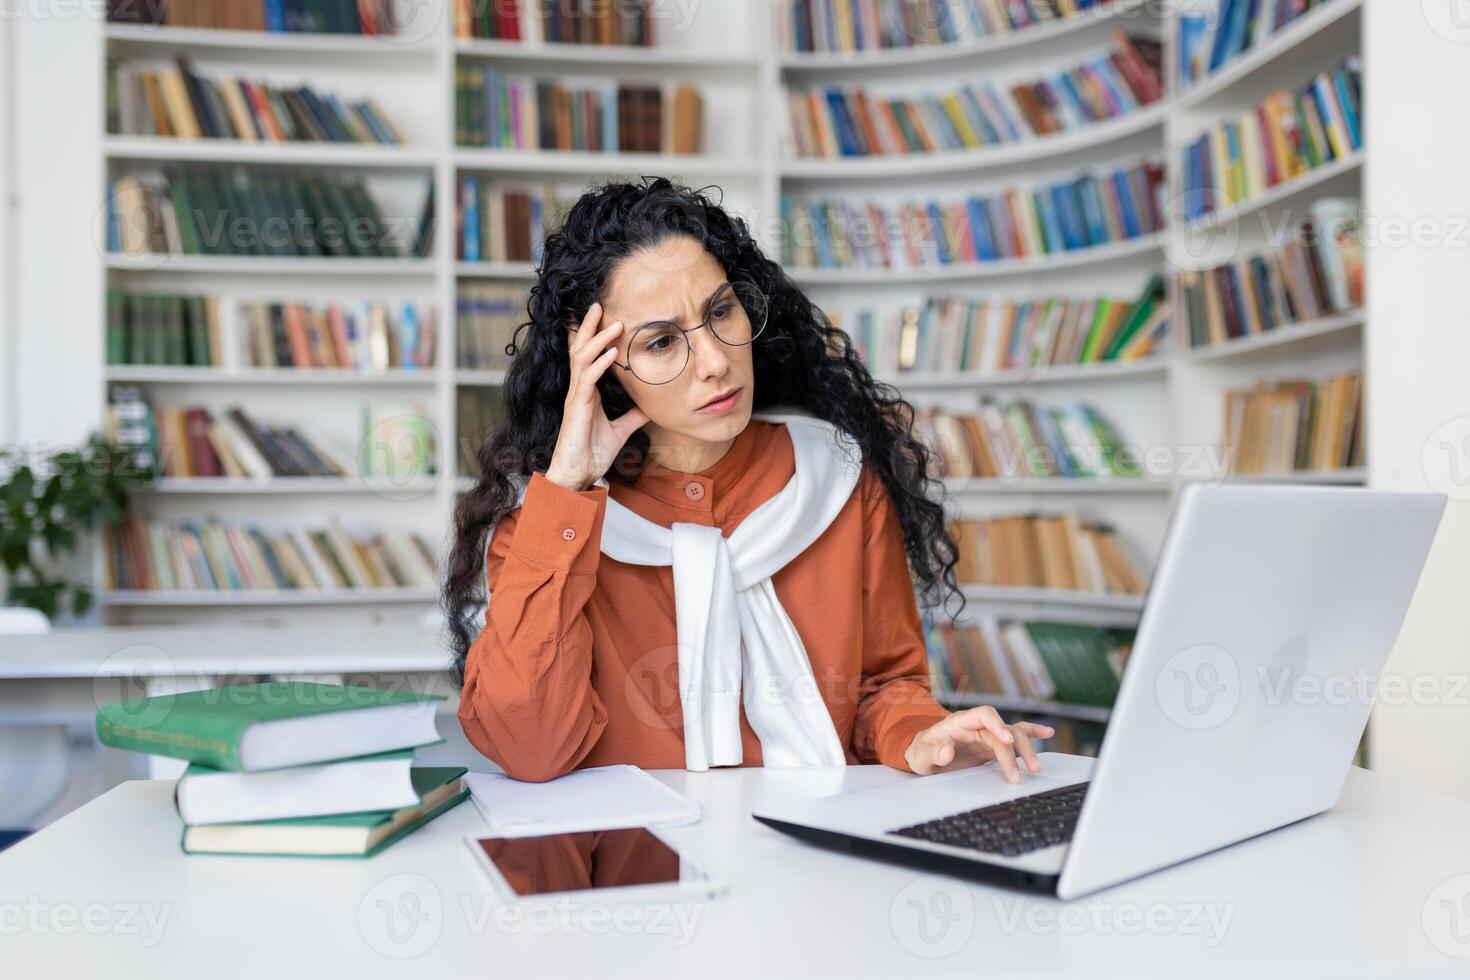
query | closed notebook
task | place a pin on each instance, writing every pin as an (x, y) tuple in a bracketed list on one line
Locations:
[(253, 727), (369, 783), (599, 798), (439, 788)]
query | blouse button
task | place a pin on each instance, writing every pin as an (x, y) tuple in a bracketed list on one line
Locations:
[(568, 533), (695, 491)]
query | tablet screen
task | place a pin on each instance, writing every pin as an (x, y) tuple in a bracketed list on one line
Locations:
[(587, 860)]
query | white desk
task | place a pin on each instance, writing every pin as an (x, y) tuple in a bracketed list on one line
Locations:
[(1349, 893)]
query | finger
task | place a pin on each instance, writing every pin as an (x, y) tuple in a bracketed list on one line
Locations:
[(931, 754), (1006, 756), (598, 343), (983, 718), (1026, 750), (629, 422), (587, 379), (1034, 730), (581, 331)]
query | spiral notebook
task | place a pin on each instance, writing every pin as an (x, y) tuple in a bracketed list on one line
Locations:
[(600, 798)]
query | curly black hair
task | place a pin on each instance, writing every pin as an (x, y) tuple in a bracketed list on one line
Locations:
[(800, 360)]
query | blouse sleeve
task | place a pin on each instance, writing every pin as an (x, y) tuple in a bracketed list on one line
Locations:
[(528, 702), (895, 702)]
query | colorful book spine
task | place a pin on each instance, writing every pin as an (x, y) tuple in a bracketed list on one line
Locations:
[(1018, 223)]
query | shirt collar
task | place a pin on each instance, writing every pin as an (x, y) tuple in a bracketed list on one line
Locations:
[(674, 486)]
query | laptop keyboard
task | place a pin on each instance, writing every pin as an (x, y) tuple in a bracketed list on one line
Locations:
[(1011, 828)]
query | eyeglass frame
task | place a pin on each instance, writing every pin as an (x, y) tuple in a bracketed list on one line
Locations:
[(684, 334)]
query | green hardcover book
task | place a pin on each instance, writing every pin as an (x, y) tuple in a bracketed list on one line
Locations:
[(343, 215), (1120, 463), (199, 353), (157, 326), (117, 327), (1076, 657), (1094, 332), (1022, 431), (357, 835), (461, 105), (173, 338), (1142, 312), (271, 725), (273, 202)]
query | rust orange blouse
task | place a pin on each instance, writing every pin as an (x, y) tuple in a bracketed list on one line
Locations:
[(577, 663)]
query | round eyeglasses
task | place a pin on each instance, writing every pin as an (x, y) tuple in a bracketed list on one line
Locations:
[(660, 350)]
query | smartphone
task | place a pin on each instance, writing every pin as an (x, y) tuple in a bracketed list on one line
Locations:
[(629, 864)]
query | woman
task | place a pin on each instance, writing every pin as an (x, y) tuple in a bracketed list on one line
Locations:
[(646, 608)]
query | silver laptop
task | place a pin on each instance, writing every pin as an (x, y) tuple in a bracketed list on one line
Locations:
[(1270, 617)]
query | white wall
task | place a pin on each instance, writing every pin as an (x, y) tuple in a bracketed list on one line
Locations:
[(1417, 59), (56, 56), (7, 251)]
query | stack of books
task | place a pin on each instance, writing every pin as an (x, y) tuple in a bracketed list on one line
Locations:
[(291, 768)]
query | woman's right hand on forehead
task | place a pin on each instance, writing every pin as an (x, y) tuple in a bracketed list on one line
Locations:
[(588, 441)]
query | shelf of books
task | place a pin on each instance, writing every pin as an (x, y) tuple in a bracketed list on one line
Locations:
[(1104, 246), (320, 224), (272, 313), (1106, 249)]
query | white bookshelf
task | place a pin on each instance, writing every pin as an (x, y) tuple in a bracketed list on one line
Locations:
[(1170, 400)]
